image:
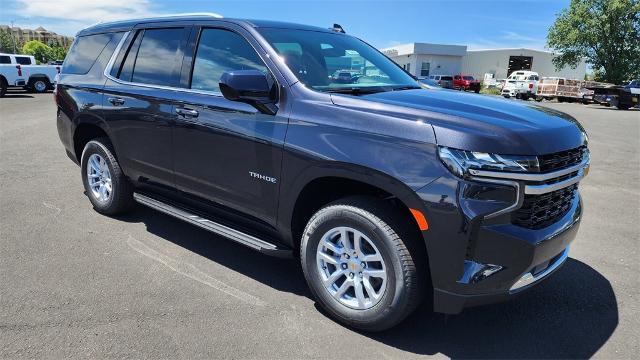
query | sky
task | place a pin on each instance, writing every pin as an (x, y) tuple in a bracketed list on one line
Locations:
[(479, 24)]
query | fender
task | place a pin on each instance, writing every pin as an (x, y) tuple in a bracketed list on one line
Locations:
[(291, 190)]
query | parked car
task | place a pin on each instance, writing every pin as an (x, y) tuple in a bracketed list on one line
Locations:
[(346, 76), (521, 85), (445, 81), (466, 83), (37, 78), (386, 192), (429, 84)]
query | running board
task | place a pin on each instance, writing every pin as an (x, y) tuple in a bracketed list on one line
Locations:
[(214, 227)]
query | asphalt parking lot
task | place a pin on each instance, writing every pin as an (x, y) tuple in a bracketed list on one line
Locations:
[(74, 283)]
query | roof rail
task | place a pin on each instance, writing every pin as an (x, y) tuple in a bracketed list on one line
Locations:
[(194, 14)]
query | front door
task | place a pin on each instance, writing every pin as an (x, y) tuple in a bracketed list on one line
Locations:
[(225, 151)]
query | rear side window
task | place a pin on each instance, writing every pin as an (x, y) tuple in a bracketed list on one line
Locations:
[(23, 60), (157, 56), (219, 51), (5, 59), (84, 52)]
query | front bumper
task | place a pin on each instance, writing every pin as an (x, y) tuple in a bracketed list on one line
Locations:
[(477, 253)]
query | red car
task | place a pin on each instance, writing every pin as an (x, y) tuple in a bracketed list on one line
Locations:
[(465, 83)]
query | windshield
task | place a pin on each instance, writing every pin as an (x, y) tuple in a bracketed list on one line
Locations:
[(468, 77), (334, 62)]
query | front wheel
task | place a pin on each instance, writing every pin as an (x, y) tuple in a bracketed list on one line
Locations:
[(362, 264)]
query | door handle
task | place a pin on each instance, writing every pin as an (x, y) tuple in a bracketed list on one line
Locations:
[(187, 113), (116, 101)]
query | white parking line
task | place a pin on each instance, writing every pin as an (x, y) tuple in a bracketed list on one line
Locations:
[(192, 272)]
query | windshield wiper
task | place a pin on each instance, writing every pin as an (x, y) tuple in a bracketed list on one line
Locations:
[(406, 87), (357, 90)]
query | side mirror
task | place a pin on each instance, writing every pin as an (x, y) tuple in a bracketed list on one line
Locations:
[(249, 86)]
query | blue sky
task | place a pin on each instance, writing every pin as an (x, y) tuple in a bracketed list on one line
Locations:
[(478, 24)]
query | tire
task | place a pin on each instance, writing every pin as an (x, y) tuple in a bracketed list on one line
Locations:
[(384, 234), (112, 202), (39, 85), (3, 87), (477, 91), (539, 99), (624, 107)]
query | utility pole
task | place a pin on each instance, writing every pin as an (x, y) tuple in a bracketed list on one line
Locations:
[(15, 48)]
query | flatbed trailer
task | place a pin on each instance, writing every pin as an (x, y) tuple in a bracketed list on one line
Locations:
[(566, 90)]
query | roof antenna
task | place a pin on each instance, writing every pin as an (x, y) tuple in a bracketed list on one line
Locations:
[(338, 28)]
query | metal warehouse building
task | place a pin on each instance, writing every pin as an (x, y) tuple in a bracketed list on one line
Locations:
[(423, 59)]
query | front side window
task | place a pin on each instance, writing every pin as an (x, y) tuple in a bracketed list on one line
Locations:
[(153, 56), (333, 62), (219, 51)]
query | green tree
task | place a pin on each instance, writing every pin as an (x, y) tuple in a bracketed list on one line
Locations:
[(39, 50), (605, 32), (6, 41)]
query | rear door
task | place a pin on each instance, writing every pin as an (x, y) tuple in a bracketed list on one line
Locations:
[(227, 152), (139, 99)]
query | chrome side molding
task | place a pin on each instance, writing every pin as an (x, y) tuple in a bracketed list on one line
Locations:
[(214, 227)]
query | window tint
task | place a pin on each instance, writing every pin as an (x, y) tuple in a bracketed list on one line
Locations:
[(127, 67), (5, 59), (219, 51), (157, 56), (85, 51), (23, 60)]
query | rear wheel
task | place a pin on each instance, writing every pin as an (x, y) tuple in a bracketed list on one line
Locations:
[(361, 263), (39, 85), (105, 184)]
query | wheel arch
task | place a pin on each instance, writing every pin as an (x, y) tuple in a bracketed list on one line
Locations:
[(322, 184), (87, 127)]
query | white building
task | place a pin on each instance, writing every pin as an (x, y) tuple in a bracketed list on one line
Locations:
[(423, 59)]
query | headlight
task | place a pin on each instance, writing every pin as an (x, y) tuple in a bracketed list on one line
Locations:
[(460, 161)]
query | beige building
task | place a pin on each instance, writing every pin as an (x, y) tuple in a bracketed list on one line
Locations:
[(423, 59), (21, 36)]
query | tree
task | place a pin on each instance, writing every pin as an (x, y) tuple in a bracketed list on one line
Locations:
[(6, 41), (39, 50), (605, 32)]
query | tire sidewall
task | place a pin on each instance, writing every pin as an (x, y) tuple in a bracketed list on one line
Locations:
[(331, 218), (95, 147)]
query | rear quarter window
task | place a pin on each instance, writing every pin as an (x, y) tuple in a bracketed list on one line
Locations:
[(23, 60), (85, 51), (5, 59)]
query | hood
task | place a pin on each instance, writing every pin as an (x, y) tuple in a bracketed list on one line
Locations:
[(477, 122)]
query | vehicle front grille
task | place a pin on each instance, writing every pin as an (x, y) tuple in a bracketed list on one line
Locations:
[(539, 211), (563, 159)]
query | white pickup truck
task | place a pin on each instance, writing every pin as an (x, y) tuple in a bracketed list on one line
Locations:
[(521, 85), (22, 71)]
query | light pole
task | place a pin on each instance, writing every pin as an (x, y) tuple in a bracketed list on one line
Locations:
[(15, 50)]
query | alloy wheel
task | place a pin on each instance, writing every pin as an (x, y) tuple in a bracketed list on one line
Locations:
[(351, 268), (99, 178)]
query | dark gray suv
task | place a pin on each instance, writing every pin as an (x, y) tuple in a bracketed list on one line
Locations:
[(389, 194)]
